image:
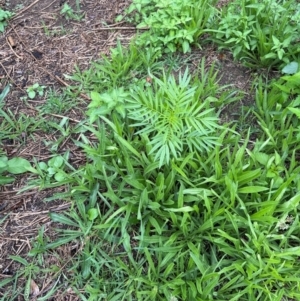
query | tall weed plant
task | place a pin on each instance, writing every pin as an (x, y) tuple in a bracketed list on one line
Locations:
[(176, 116)]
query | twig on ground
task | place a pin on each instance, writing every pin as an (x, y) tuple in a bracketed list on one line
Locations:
[(12, 80), (24, 9), (19, 57)]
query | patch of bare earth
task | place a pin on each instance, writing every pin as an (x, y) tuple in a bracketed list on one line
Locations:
[(40, 46)]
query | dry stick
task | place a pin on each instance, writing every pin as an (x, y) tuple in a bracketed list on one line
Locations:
[(47, 6), (60, 116), (116, 25), (11, 78), (24, 9), (46, 71), (52, 209), (12, 49), (19, 250)]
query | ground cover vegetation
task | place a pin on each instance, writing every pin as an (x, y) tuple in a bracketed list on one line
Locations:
[(172, 202)]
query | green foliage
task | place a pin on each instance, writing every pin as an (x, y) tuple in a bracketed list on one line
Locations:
[(52, 173), (169, 204), (17, 127), (261, 33), (173, 25), (291, 68), (177, 117), (3, 94), (35, 89), (13, 166), (275, 104), (217, 225), (103, 104), (220, 226), (58, 103), (4, 17), (125, 66), (68, 12)]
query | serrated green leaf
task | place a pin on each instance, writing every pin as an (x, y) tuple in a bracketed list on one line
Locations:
[(296, 111)]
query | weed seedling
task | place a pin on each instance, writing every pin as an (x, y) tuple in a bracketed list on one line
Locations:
[(68, 12), (4, 17), (35, 89), (57, 103)]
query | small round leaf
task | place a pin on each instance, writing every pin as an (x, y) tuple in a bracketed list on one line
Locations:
[(92, 214)]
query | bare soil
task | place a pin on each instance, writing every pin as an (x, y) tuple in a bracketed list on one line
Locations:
[(41, 46)]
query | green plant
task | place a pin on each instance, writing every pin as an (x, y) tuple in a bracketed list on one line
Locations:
[(58, 103), (17, 127), (3, 94), (62, 129), (4, 17), (125, 66), (260, 33), (172, 24), (35, 89), (210, 226), (216, 221), (13, 166), (23, 282), (290, 68), (176, 116), (274, 106), (68, 12), (29, 271), (55, 172)]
